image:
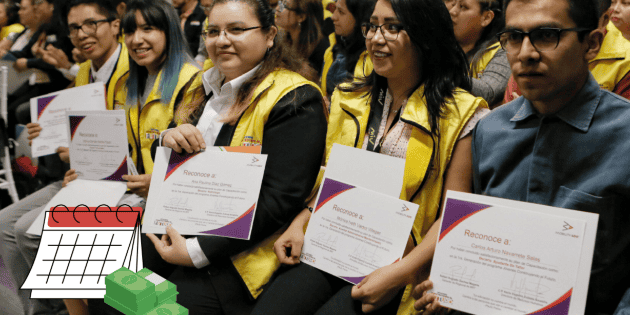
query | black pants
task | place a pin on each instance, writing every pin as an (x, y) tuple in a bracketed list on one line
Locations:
[(306, 290)]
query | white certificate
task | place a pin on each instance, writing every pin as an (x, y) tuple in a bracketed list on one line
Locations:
[(50, 112), (204, 193), (354, 231), (98, 144), (496, 256)]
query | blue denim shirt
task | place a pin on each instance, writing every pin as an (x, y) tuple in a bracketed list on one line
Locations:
[(578, 158)]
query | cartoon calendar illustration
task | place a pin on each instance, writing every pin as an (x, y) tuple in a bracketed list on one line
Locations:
[(80, 247)]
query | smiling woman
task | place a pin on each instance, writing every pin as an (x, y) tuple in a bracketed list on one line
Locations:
[(411, 107), (160, 70), (253, 96)]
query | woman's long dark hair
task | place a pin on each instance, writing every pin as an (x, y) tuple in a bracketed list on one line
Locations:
[(354, 45), (488, 35), (161, 15), (278, 57), (11, 9), (311, 28), (443, 65)]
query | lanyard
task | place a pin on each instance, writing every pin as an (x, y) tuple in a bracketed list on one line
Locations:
[(374, 122)]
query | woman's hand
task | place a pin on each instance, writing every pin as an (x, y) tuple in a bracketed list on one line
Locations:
[(290, 242), (33, 130), (186, 137), (138, 184), (70, 176), (172, 247), (20, 65), (379, 287), (427, 302), (64, 154)]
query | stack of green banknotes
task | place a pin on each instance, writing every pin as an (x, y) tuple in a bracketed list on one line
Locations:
[(141, 293)]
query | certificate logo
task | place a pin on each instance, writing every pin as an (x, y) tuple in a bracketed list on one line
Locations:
[(162, 222), (444, 298), (306, 257), (567, 226), (403, 212), (254, 162)]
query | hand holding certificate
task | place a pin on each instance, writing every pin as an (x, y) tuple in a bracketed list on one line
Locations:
[(50, 112), (204, 193), (98, 144), (354, 231), (497, 256)]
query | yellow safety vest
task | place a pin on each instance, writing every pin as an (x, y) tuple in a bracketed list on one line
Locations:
[(257, 265), (363, 68), (13, 28), (122, 68), (481, 65), (155, 116), (423, 179), (612, 63)]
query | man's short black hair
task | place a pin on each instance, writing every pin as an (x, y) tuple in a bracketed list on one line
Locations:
[(583, 12), (105, 7)]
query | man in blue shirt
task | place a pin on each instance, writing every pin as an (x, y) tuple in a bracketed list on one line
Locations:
[(565, 143)]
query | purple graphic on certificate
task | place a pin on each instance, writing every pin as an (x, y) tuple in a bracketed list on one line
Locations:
[(42, 103), (122, 170)]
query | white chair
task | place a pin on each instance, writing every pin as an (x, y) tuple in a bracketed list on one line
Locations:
[(7, 182)]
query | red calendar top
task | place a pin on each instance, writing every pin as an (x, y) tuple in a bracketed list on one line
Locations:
[(102, 216)]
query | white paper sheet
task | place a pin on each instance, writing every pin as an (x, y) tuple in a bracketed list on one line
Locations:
[(369, 170), (497, 256), (50, 112), (98, 144)]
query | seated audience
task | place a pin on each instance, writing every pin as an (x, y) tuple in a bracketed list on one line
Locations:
[(252, 96), (347, 56), (476, 23), (9, 19), (192, 18), (412, 96), (563, 143), (108, 63), (611, 66), (300, 23)]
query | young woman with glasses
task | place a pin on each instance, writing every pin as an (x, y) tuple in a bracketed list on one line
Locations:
[(476, 23), (253, 96), (346, 57), (414, 106), (301, 24)]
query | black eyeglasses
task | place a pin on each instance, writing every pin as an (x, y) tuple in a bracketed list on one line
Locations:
[(390, 31), (230, 32), (88, 27), (543, 38)]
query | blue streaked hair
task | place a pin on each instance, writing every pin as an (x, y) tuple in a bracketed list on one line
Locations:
[(161, 15)]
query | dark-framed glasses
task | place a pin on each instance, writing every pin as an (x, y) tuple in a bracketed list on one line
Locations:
[(282, 4), (88, 27), (230, 32), (543, 38), (390, 31)]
